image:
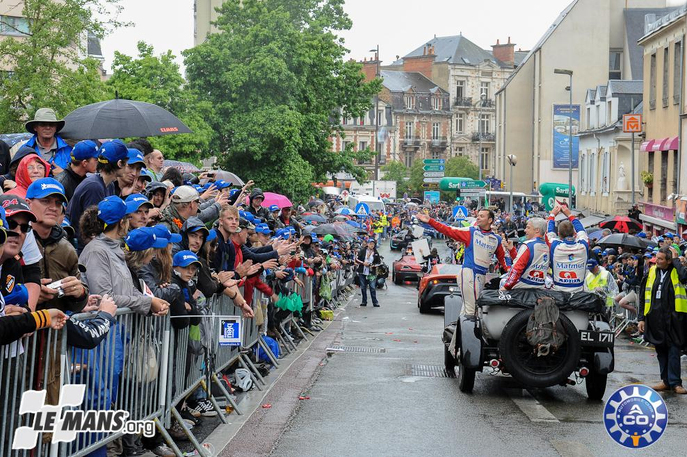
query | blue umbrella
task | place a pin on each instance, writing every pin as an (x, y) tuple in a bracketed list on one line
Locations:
[(354, 224), (345, 211), (597, 235)]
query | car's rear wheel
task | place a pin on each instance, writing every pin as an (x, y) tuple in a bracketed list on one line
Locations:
[(396, 279), (521, 360), (596, 385), (466, 376)]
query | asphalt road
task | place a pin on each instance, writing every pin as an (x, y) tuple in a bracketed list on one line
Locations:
[(391, 401)]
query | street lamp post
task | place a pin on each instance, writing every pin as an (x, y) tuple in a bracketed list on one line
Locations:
[(482, 98), (559, 71), (377, 148), (512, 160)]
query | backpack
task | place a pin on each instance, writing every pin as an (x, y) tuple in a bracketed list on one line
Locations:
[(544, 330)]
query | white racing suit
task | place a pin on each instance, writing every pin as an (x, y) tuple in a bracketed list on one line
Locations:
[(568, 257), (480, 246)]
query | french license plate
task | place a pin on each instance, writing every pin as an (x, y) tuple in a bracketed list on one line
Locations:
[(591, 338)]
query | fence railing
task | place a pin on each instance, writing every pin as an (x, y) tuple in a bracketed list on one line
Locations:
[(142, 365)]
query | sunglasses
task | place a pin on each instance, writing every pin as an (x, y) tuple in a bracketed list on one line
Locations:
[(25, 228)]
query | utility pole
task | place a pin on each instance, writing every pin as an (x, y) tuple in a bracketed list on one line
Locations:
[(377, 148)]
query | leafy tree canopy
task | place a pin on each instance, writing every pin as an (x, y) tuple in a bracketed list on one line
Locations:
[(45, 58), (158, 80), (276, 76), (461, 167), (397, 171)]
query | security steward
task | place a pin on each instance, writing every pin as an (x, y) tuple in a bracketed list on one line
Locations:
[(663, 316)]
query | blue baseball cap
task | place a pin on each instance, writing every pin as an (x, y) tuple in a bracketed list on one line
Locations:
[(648, 255), (161, 231), (45, 187), (263, 228), (135, 156), (668, 235), (273, 208), (134, 203), (591, 264), (184, 259), (641, 235), (212, 235), (222, 184), (660, 238), (143, 238), (84, 150), (145, 174), (233, 192), (112, 152), (111, 210)]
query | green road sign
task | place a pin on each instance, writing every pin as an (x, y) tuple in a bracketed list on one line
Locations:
[(460, 183), (434, 161), (433, 168)]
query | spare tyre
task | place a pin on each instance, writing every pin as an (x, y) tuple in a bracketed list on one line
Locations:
[(520, 358)]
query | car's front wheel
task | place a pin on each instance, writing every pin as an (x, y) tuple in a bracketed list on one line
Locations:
[(466, 377), (449, 361)]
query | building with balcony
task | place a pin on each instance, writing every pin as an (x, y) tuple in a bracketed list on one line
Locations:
[(664, 69), (471, 75), (604, 182), (597, 41)]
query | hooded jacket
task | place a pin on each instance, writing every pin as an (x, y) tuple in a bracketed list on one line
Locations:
[(21, 153), (108, 273), (59, 261), (173, 221), (205, 282), (22, 176)]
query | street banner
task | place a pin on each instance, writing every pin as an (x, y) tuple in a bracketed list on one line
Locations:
[(433, 196), (561, 135)]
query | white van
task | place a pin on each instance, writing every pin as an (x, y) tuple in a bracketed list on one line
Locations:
[(375, 203)]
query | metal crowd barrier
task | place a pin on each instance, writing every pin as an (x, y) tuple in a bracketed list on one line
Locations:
[(124, 371)]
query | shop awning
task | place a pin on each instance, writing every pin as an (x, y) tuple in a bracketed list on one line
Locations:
[(591, 221), (646, 146), (672, 144), (660, 222), (658, 145)]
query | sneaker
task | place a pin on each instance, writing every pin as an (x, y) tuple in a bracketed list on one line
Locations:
[(187, 415), (205, 408), (163, 451), (363, 304), (192, 412)]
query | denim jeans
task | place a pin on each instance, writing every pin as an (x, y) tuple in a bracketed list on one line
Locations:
[(669, 363), (364, 284)]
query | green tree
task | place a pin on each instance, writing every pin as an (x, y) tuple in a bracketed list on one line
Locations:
[(276, 75), (417, 177), (158, 80), (45, 58), (397, 171), (461, 167)]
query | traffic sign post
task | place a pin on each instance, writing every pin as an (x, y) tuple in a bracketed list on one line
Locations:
[(434, 174), (433, 168), (460, 213), (434, 161), (433, 180)]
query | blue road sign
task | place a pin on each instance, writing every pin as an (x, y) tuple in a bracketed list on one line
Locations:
[(460, 213)]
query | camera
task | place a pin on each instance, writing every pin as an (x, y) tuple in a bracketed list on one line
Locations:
[(57, 285)]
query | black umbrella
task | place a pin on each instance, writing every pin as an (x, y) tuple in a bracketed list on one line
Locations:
[(316, 202), (326, 229), (624, 240), (121, 119)]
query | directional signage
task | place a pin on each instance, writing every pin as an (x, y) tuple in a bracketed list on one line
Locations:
[(434, 180), (430, 185), (460, 183), (434, 174), (460, 213), (433, 168), (434, 161), (632, 123), (472, 184)]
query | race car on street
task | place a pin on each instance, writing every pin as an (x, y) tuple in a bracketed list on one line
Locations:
[(435, 285), (400, 240), (406, 269)]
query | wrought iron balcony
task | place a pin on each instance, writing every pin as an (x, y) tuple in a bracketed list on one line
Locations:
[(440, 142), (463, 101), (413, 142), (486, 136)]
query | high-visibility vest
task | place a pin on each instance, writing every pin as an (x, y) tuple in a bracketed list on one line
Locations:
[(601, 280), (679, 289)]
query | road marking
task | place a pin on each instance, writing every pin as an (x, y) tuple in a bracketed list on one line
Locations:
[(534, 410), (571, 449)]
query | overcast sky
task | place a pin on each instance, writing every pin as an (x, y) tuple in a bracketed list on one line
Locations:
[(397, 26)]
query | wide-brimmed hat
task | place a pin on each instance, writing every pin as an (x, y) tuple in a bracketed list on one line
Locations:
[(44, 115)]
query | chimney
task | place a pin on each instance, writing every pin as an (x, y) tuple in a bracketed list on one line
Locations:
[(370, 68), (421, 64), (504, 52)]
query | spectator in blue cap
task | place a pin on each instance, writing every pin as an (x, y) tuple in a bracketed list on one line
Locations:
[(83, 159), (112, 158), (126, 182), (60, 262), (138, 208), (104, 259)]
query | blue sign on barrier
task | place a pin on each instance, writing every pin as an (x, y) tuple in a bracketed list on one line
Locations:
[(460, 213), (362, 209), (230, 331)]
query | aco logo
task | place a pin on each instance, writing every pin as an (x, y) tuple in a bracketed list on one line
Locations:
[(635, 416)]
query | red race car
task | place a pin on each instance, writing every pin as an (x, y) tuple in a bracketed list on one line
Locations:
[(434, 286), (406, 269)]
